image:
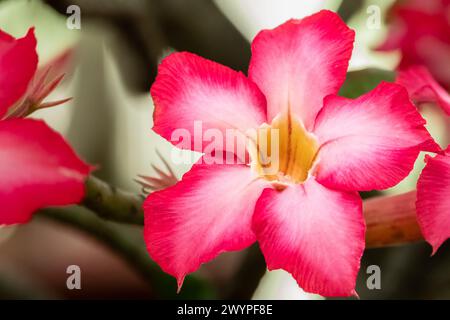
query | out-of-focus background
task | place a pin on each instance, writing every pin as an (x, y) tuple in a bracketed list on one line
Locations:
[(113, 60)]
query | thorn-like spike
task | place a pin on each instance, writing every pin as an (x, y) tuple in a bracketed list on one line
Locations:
[(40, 82), (53, 103), (164, 161), (41, 94), (161, 173)]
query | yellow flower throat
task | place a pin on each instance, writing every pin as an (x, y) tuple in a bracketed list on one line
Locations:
[(284, 150)]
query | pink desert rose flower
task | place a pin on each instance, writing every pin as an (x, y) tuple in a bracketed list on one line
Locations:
[(307, 218), (433, 187), (423, 88), (433, 202), (421, 31), (38, 168)]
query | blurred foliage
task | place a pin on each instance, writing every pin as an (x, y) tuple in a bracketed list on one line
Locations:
[(407, 272), (148, 28), (360, 82), (348, 8), (128, 244)]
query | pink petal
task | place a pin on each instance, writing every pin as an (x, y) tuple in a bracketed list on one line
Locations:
[(300, 62), (189, 88), (37, 169), (370, 142), (422, 87), (433, 201), (315, 233), (421, 32), (394, 39), (18, 63), (208, 212), (435, 55)]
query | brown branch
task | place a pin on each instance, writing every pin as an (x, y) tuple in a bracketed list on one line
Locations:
[(391, 220)]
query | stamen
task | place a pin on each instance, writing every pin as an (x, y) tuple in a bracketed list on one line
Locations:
[(285, 151)]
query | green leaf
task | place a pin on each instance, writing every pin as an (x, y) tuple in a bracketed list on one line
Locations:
[(362, 81)]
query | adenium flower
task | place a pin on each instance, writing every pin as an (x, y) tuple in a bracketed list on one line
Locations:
[(307, 218), (423, 88), (37, 167), (433, 186), (433, 202), (421, 31)]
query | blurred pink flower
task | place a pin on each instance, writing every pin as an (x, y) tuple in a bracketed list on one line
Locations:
[(433, 202), (307, 217), (421, 31), (433, 186), (422, 87), (37, 167)]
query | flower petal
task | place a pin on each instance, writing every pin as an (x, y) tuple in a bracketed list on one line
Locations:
[(300, 62), (191, 89), (420, 29), (433, 202), (315, 233), (423, 88), (18, 63), (208, 212), (37, 169), (370, 142)]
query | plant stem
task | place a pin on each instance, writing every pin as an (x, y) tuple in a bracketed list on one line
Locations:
[(391, 220), (112, 203)]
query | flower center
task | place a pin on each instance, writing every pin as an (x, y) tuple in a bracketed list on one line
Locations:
[(284, 151)]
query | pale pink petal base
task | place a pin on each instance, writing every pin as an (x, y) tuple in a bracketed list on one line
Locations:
[(37, 169), (208, 212), (370, 142), (433, 200), (315, 233)]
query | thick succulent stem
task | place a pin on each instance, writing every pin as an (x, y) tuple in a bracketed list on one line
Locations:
[(391, 220), (111, 203)]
